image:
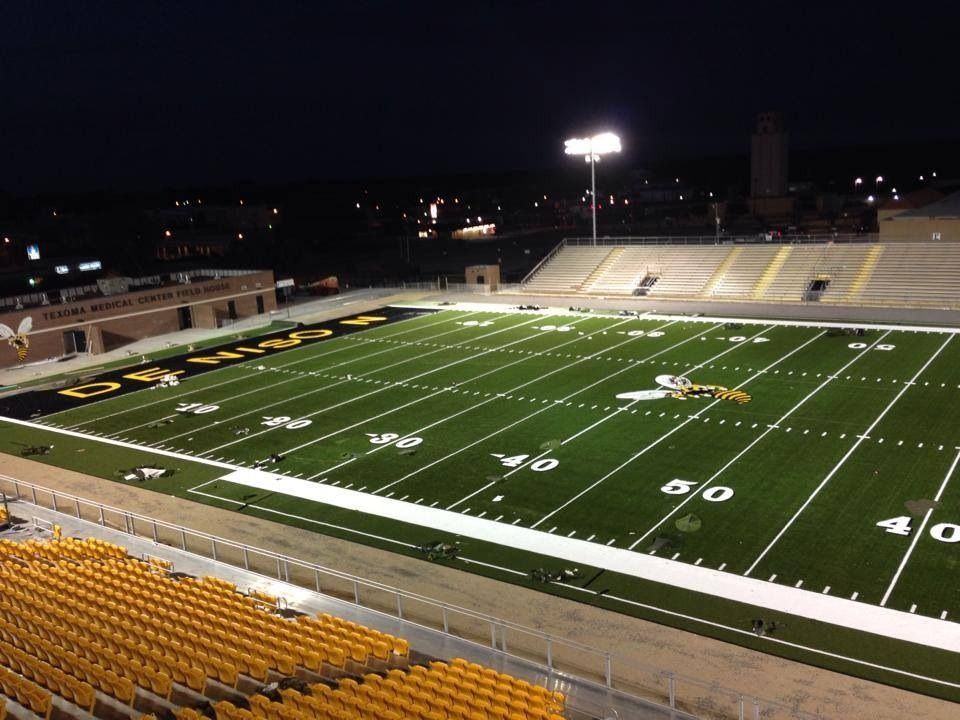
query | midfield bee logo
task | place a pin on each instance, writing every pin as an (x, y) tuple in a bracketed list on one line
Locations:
[(18, 340), (681, 388)]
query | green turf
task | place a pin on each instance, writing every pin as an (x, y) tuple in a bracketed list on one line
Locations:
[(520, 424)]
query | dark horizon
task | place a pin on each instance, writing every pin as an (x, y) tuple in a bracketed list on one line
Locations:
[(174, 94)]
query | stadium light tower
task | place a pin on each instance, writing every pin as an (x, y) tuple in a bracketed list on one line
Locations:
[(592, 149)]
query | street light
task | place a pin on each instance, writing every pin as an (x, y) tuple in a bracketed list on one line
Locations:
[(856, 184), (592, 149)]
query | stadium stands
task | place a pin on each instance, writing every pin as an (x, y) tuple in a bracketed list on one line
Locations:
[(568, 270), (81, 620), (920, 274)]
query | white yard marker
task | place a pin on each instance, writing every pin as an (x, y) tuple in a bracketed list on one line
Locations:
[(383, 389), (527, 417), (799, 583), (826, 590), (855, 596), (757, 439), (846, 457), (206, 388), (913, 608), (919, 531), (773, 577), (340, 381), (722, 566), (664, 436)]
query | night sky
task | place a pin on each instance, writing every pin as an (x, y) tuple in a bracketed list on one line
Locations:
[(146, 94)]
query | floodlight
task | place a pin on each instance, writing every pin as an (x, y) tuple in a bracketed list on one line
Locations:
[(592, 149)]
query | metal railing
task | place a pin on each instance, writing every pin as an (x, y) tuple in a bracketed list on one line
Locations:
[(554, 654), (546, 258), (760, 239)]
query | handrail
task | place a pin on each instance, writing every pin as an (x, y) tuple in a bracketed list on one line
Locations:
[(757, 239), (547, 257), (497, 638)]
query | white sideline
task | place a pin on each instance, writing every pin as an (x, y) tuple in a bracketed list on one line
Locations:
[(497, 307), (894, 624), (874, 619)]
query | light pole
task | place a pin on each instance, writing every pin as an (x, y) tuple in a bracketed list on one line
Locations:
[(592, 148)]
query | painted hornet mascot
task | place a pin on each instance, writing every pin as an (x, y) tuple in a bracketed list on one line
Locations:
[(681, 388), (18, 340)]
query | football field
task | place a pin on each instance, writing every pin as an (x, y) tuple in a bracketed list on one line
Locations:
[(806, 470)]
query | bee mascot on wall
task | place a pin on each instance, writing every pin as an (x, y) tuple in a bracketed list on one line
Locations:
[(18, 340)]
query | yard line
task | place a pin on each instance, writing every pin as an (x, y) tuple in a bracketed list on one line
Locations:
[(261, 408), (386, 387), (632, 403), (663, 437), (392, 410), (919, 532), (536, 412), (846, 457), (285, 354), (497, 396), (761, 436), (264, 388), (611, 415)]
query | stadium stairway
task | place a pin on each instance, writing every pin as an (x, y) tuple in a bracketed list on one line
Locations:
[(89, 630), (721, 271), (864, 274), (771, 272), (609, 261)]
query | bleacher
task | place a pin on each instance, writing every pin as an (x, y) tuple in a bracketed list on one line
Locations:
[(567, 271), (743, 274), (90, 631), (921, 274)]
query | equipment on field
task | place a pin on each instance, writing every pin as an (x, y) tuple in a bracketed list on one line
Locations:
[(32, 450), (439, 550)]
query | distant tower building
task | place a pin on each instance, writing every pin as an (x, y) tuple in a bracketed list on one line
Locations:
[(768, 156)]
